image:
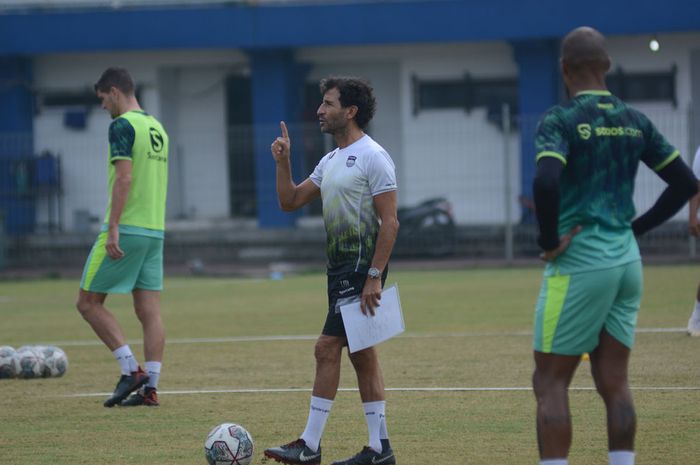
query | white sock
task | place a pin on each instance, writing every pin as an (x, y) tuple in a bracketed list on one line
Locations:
[(374, 414), (621, 457), (383, 433), (153, 371), (319, 409), (696, 311), (126, 359), (554, 462)]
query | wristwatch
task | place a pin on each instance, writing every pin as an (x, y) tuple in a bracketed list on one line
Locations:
[(374, 273)]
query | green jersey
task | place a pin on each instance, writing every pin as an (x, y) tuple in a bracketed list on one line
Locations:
[(601, 141), (140, 138)]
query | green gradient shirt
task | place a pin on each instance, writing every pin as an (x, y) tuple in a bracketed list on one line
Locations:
[(349, 178), (138, 137), (601, 141)]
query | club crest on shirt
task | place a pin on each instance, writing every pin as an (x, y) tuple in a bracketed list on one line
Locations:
[(350, 162)]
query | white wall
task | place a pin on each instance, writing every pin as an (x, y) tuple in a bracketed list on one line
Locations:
[(457, 154), (197, 129), (632, 54), (437, 152)]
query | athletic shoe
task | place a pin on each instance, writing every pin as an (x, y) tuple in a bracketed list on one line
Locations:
[(295, 453), (368, 456), (126, 385), (694, 327), (145, 396)]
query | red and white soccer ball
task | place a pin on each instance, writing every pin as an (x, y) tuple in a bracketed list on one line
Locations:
[(228, 444)]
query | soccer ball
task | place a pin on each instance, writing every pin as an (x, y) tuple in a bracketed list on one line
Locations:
[(228, 444), (8, 365), (30, 362), (55, 361)]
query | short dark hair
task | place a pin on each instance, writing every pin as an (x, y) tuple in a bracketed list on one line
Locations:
[(115, 77), (584, 48), (353, 91)]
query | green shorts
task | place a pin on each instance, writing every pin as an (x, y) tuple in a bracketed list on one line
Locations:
[(573, 309), (141, 267)]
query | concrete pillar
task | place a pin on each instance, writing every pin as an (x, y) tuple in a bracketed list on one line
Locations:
[(16, 144), (277, 88), (539, 88)]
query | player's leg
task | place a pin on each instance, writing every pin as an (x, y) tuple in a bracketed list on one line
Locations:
[(694, 320), (307, 449), (102, 276), (550, 382), (327, 352), (147, 308), (91, 307), (371, 385), (370, 382), (609, 364), (570, 313), (146, 296)]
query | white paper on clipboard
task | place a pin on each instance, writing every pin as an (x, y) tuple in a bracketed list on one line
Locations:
[(366, 331)]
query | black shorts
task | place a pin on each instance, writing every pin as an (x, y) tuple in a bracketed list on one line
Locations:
[(343, 288)]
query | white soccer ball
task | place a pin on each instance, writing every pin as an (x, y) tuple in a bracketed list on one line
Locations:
[(30, 362), (55, 361), (228, 444), (8, 364)]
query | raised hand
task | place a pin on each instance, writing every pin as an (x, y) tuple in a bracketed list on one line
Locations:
[(281, 146)]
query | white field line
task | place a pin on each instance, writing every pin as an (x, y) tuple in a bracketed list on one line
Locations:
[(210, 340), (400, 389)]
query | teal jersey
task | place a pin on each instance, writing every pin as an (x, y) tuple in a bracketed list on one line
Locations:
[(601, 141)]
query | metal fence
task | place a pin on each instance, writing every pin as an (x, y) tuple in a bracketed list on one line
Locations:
[(460, 191)]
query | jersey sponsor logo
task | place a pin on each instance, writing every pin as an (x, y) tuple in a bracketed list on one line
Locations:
[(156, 139), (350, 162), (618, 131), (584, 130)]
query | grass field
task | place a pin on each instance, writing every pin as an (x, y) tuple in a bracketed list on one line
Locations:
[(465, 329)]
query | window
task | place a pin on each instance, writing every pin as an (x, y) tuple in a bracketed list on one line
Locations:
[(467, 93), (658, 86)]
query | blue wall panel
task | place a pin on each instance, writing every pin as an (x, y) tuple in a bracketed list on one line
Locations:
[(16, 145), (538, 90), (289, 25), (276, 80)]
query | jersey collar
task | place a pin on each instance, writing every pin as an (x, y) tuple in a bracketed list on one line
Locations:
[(593, 92)]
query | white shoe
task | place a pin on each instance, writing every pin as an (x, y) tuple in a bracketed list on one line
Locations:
[(694, 327)]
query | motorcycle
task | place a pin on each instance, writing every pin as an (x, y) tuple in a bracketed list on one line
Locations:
[(426, 229)]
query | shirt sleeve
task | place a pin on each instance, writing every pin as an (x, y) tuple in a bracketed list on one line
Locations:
[(381, 173), (121, 140), (550, 138), (317, 176), (658, 152)]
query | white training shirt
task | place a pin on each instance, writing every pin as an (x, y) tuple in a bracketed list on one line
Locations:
[(349, 178)]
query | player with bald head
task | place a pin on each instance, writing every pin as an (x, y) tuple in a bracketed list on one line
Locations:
[(588, 151)]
